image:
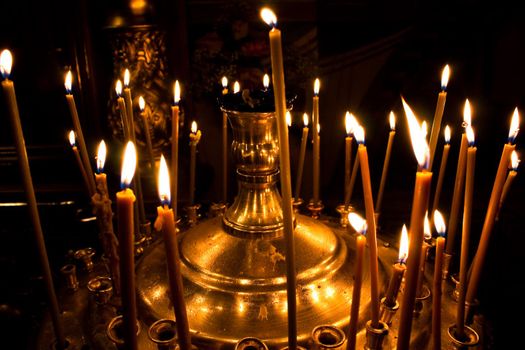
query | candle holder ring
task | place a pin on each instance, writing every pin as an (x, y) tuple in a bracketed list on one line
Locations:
[(115, 331), (250, 343), (455, 280), (69, 272), (145, 230), (315, 209), (375, 336), (86, 257), (192, 214), (328, 337), (296, 204), (141, 243), (163, 333), (217, 209), (343, 211), (387, 312), (299, 347), (424, 295), (101, 288), (470, 340)]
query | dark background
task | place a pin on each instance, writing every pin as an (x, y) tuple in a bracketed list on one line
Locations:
[(367, 54)]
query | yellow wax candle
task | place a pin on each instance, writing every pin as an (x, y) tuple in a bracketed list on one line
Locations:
[(439, 222), (514, 161), (398, 270), (125, 220), (360, 226), (78, 130), (419, 208), (370, 220), (316, 141), (442, 169), (427, 234), (6, 61), (72, 142), (129, 105), (386, 162), (350, 123), (195, 137), (175, 145), (166, 222), (488, 224), (225, 145), (438, 115), (351, 184), (302, 152), (147, 134), (122, 109), (284, 157)]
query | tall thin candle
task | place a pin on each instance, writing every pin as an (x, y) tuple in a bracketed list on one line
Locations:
[(439, 222), (147, 133), (351, 184), (175, 146), (442, 169), (195, 137), (514, 161), (386, 162), (224, 146), (350, 123), (438, 115), (398, 270), (302, 152), (76, 153), (316, 141), (129, 104), (122, 109)]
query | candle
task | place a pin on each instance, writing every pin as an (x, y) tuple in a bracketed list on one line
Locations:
[(427, 234), (142, 107), (419, 207), (166, 223), (359, 224), (439, 222), (78, 130), (125, 200), (514, 161), (398, 270), (438, 115), (175, 145), (284, 157), (370, 220), (288, 118), (129, 105), (349, 126), (386, 162), (351, 184), (72, 142), (442, 169), (316, 140), (458, 190), (266, 81), (6, 61), (302, 152), (236, 87), (195, 137), (465, 237), (122, 108), (224, 83), (488, 224), (224, 146)]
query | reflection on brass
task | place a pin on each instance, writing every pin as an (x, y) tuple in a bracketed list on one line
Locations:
[(328, 337), (164, 334), (375, 336)]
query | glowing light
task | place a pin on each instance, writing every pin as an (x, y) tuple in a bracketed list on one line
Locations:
[(126, 77), (101, 156), (176, 92), (392, 120), (447, 134), (68, 81), (467, 114), (129, 163), (350, 123), (424, 128), (318, 128), (470, 135), (266, 81), (514, 126), (194, 127), (419, 142), (118, 88), (142, 103), (514, 160), (317, 86), (359, 133), (426, 228), (6, 62), (288, 118), (236, 87), (164, 182), (439, 222), (72, 138), (305, 120), (403, 245), (224, 82), (358, 223), (445, 75), (269, 17)]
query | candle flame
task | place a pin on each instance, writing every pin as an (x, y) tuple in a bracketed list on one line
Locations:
[(6, 62), (164, 182), (426, 228), (470, 135), (266, 81), (317, 86), (514, 126), (288, 118), (318, 128), (269, 17), (126, 77), (359, 133), (424, 128), (142, 103), (68, 81), (176, 92), (118, 88), (72, 138), (444, 77), (467, 114), (447, 134), (439, 222), (305, 120), (350, 123), (194, 127), (101, 156), (236, 87), (403, 245), (358, 223), (224, 82), (514, 160), (129, 163), (392, 120), (418, 138)]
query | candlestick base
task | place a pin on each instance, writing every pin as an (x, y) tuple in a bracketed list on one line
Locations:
[(343, 211), (217, 209), (296, 204), (387, 313), (315, 209), (328, 337), (375, 336), (251, 343), (192, 214), (455, 280), (446, 264), (69, 272), (470, 310), (101, 288), (115, 331), (164, 334), (85, 256), (424, 295), (470, 340)]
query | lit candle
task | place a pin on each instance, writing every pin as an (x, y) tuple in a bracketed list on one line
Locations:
[(224, 146), (122, 108), (195, 137), (514, 161), (438, 115), (349, 126), (78, 130), (125, 220), (359, 224), (166, 222), (302, 152), (284, 158), (465, 236), (175, 145), (488, 224), (419, 207), (316, 140), (142, 107), (398, 270), (72, 142), (392, 120), (351, 184), (224, 83), (129, 104), (6, 61), (288, 118), (439, 222), (427, 234), (359, 134), (236, 87), (457, 197), (266, 81), (442, 169)]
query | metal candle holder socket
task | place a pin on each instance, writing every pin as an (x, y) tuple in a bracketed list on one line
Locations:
[(418, 306), (101, 287), (455, 293), (250, 343), (375, 336), (86, 257), (387, 313), (69, 272), (296, 204), (164, 334), (298, 348), (145, 230), (115, 332), (328, 337), (344, 210), (315, 209), (217, 209), (471, 340), (192, 213)]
